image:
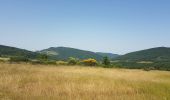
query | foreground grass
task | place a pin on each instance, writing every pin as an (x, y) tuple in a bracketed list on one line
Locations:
[(38, 82)]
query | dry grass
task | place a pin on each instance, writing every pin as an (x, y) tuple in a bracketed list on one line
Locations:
[(38, 82)]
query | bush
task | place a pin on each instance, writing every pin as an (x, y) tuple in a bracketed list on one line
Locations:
[(43, 57), (50, 62), (2, 60), (148, 68), (72, 61), (89, 62), (61, 63), (36, 62), (43, 62), (18, 59)]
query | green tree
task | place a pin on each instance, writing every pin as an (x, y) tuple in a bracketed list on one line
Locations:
[(106, 61), (43, 57), (72, 61)]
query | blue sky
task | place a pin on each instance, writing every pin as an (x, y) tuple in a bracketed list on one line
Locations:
[(117, 26)]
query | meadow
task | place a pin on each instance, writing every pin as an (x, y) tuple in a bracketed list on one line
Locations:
[(50, 82)]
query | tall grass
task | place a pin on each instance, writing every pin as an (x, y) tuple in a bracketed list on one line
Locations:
[(40, 82)]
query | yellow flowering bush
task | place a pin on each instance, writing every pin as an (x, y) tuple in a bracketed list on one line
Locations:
[(89, 62)]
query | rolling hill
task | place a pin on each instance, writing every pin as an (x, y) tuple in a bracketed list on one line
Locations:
[(154, 58), (157, 58), (7, 51), (153, 54), (64, 53), (55, 53)]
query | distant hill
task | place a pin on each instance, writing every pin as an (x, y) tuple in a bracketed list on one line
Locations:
[(153, 54), (110, 55), (64, 53), (55, 53), (7, 51)]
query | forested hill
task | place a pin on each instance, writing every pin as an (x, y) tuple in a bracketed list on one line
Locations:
[(66, 52), (7, 51), (153, 54)]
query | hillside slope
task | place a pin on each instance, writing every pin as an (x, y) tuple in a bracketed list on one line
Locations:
[(7, 51), (154, 58), (64, 53), (153, 54)]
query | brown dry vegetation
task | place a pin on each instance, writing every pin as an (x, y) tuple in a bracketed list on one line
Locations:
[(40, 82)]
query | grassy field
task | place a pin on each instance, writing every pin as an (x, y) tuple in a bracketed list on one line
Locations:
[(40, 82)]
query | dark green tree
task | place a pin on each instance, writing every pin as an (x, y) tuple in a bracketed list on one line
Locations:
[(106, 61), (43, 57)]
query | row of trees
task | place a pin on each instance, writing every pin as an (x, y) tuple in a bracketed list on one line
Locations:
[(43, 59), (89, 62)]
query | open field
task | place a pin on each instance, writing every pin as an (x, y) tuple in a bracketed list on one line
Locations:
[(40, 82)]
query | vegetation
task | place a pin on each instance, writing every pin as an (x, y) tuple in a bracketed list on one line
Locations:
[(89, 62), (72, 61), (4, 59), (61, 63), (136, 65), (109, 55), (63, 53), (43, 57), (106, 61), (6, 51), (155, 58), (154, 54), (43, 82), (18, 59)]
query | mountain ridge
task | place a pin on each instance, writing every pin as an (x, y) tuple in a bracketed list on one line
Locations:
[(152, 54)]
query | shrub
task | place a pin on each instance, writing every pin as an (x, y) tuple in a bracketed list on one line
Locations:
[(89, 62), (61, 63), (36, 62), (18, 59), (148, 68), (43, 57), (72, 61), (2, 60)]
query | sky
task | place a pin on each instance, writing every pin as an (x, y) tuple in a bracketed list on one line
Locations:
[(116, 26)]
